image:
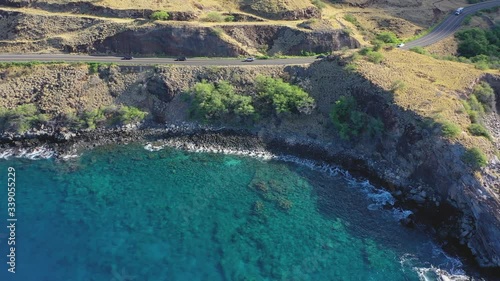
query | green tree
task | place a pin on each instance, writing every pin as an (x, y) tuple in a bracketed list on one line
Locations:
[(284, 96)]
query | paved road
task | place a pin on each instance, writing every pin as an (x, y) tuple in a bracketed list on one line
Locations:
[(450, 25), (149, 61)]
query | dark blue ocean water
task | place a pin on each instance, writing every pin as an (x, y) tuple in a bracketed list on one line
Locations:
[(123, 213)]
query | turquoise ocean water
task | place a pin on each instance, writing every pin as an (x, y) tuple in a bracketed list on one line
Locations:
[(124, 213)]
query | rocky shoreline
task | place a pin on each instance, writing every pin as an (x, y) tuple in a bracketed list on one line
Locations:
[(433, 215)]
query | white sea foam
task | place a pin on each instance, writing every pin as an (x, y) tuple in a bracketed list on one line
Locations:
[(152, 147), (400, 214), (446, 268), (36, 153), (380, 198), (436, 274)]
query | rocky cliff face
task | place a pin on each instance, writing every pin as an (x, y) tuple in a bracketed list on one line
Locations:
[(167, 40), (22, 32), (285, 40), (422, 169)]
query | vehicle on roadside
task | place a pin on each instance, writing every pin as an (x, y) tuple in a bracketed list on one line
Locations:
[(250, 59), (181, 58), (459, 11), (400, 45), (127, 57), (321, 57)]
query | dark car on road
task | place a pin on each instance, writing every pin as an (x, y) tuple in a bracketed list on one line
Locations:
[(249, 59), (181, 59), (127, 58)]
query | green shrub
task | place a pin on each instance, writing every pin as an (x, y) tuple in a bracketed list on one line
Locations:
[(93, 67), (375, 57), (104, 116), (419, 50), (387, 37), (485, 95), (217, 31), (159, 15), (377, 45), (130, 114), (475, 105), (319, 4), (351, 67), (352, 19), (467, 19), (94, 118), (307, 53), (365, 51), (214, 17), (229, 18), (479, 130), (21, 118), (398, 85), (450, 130), (475, 158), (350, 122), (220, 100), (283, 96), (212, 101)]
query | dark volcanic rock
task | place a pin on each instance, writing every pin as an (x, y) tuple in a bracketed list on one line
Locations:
[(158, 87), (306, 13), (169, 40)]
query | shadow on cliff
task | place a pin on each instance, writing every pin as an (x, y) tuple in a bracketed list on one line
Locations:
[(412, 159)]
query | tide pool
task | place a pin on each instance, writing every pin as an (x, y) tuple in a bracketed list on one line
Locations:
[(124, 213)]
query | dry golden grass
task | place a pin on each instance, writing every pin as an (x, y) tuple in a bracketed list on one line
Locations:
[(192, 5), (46, 13), (432, 88)]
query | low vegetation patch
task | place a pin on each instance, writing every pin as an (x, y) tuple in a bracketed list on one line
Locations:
[(398, 85), (104, 117), (475, 158), (352, 19), (480, 101), (27, 64), (485, 95), (351, 122), (450, 130), (388, 37), (371, 55), (159, 15), (21, 118), (319, 4), (214, 17), (419, 50), (479, 130)]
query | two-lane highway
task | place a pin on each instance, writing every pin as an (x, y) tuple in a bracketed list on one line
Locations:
[(150, 60), (450, 25), (443, 30)]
